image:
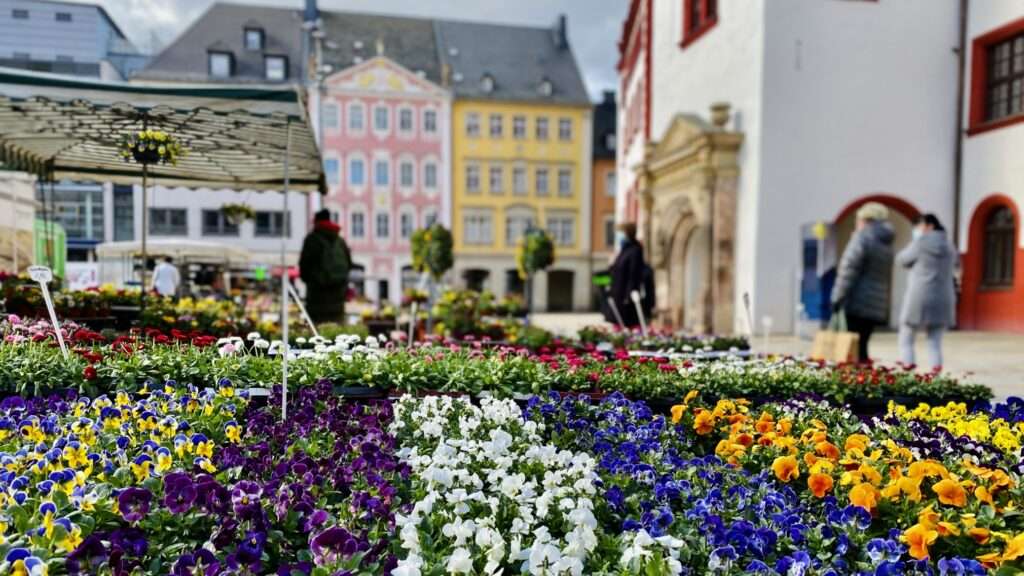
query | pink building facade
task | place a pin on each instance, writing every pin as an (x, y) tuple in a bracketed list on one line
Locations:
[(386, 142)]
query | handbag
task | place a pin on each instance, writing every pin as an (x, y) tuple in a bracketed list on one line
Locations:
[(835, 343)]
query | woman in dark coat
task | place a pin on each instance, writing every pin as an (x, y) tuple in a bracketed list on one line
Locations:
[(628, 275), (931, 297), (864, 279)]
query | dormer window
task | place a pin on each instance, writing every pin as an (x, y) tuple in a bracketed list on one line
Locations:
[(487, 83), (275, 68), (545, 88), (254, 39), (221, 64)]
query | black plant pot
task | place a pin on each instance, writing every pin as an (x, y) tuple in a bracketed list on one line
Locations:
[(146, 156)]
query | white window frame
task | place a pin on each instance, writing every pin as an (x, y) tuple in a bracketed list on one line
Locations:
[(562, 228), (610, 183), (542, 128), (519, 127), (360, 211), (377, 215), (387, 119), (608, 241), (266, 67), (427, 164), (517, 222), (538, 173), (472, 178), (411, 131), (430, 213), (472, 124), (565, 129), (406, 212), (436, 113), (565, 177), (386, 160), (227, 58), (410, 162), (520, 185), (478, 227), (334, 127), (496, 126), (350, 113), (496, 175), (337, 171), (358, 156)]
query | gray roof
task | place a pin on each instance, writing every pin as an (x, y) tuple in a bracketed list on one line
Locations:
[(605, 116), (518, 58), (221, 28), (352, 38)]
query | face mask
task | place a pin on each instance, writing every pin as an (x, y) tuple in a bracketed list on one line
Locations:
[(620, 239), (917, 233)]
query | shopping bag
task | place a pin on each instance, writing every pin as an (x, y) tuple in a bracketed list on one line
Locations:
[(836, 343)]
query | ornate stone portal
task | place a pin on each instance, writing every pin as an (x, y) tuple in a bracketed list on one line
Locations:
[(688, 187)]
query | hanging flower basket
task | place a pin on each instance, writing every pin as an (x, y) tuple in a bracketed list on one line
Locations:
[(237, 213), (151, 147), (536, 253), (432, 251)]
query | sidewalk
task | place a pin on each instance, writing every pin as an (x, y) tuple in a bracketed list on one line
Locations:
[(993, 359)]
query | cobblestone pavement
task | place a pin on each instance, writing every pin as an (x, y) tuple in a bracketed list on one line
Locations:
[(989, 358)]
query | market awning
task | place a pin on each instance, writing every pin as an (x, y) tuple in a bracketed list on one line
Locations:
[(179, 250), (234, 137)]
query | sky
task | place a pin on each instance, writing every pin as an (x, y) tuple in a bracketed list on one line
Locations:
[(594, 25)]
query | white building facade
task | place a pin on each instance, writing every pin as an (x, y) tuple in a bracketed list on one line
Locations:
[(837, 103)]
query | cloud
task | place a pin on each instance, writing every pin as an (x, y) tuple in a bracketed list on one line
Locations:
[(593, 24)]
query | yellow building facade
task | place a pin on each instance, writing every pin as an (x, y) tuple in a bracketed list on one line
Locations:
[(517, 166)]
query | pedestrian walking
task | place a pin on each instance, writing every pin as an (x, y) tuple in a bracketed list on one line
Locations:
[(324, 267), (166, 278), (930, 300), (631, 273), (864, 278)]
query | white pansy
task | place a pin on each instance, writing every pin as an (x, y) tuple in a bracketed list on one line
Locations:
[(460, 562)]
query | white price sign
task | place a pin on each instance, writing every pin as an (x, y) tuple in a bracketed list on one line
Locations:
[(43, 275)]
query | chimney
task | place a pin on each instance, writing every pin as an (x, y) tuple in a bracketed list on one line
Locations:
[(561, 32), (311, 13)]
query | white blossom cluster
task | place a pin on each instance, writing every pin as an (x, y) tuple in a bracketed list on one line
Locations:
[(492, 497), (345, 346)]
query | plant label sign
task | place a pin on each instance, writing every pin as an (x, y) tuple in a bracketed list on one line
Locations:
[(43, 275)]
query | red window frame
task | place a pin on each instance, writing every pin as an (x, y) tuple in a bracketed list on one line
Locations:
[(706, 12), (980, 67)]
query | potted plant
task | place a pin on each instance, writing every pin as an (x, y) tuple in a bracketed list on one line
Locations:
[(237, 213), (536, 253), (151, 147)]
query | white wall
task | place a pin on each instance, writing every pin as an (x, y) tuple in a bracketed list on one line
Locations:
[(992, 160), (629, 152), (264, 250), (724, 65), (859, 99)]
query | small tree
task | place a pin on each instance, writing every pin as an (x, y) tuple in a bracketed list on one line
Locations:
[(536, 253)]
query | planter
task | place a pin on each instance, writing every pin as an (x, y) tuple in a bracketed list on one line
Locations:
[(361, 393), (379, 327), (146, 155)]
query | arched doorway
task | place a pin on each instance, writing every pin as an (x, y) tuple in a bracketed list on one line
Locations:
[(901, 216), (993, 290), (560, 284)]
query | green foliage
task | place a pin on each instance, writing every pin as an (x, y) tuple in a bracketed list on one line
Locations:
[(432, 251), (536, 252)]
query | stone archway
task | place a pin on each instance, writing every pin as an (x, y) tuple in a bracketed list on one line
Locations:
[(688, 186)]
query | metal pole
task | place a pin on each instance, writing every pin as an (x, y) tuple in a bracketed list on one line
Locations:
[(145, 226), (284, 277)]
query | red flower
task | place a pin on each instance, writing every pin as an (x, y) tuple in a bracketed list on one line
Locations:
[(89, 373)]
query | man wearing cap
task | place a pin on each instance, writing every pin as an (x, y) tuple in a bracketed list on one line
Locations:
[(865, 274)]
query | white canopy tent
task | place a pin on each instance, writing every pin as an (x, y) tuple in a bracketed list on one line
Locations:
[(117, 259), (250, 137)]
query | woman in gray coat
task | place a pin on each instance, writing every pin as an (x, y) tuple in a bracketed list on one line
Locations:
[(930, 299)]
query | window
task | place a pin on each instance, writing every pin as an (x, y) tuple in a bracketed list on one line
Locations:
[(564, 182), (561, 230), (487, 83), (478, 228), (19, 14), (1000, 248), (332, 118), (168, 221), (472, 125), (382, 225), (610, 183), (271, 223), (124, 212), (332, 171), (609, 233), (253, 39), (65, 58), (381, 119), (430, 176), (542, 129), (216, 224), (519, 127), (609, 140), (357, 228), (516, 227), (1005, 89), (356, 172), (220, 64), (381, 172), (430, 121), (429, 218), (405, 225), (699, 16), (63, 17), (356, 122), (405, 121), (519, 181), (473, 179), (565, 129), (496, 180), (406, 171), (275, 68), (497, 125), (542, 181)]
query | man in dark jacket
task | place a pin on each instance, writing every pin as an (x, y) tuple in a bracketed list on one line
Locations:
[(628, 274), (324, 266), (865, 274)]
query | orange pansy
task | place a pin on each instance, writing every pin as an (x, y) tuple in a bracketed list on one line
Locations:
[(864, 495), (919, 537), (677, 413), (786, 468), (950, 493), (820, 484)]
